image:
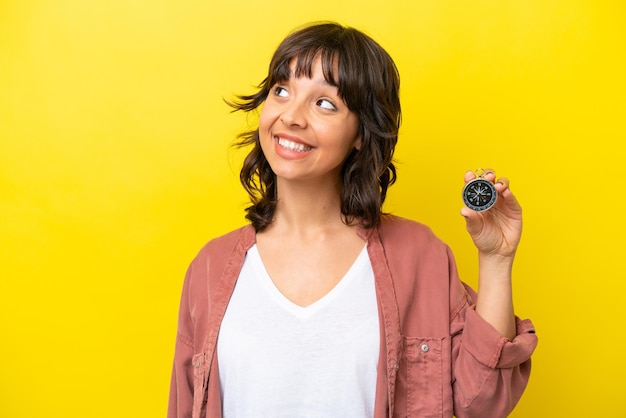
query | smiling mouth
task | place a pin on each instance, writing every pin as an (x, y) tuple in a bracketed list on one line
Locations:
[(293, 146)]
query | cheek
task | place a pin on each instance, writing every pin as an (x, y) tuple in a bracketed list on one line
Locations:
[(268, 115), (263, 120), (265, 124), (264, 141)]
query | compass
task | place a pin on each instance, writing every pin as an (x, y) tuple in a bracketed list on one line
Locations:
[(479, 194)]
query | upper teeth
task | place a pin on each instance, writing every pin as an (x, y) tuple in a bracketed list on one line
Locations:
[(294, 146)]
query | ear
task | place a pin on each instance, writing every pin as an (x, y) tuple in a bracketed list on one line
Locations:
[(357, 143)]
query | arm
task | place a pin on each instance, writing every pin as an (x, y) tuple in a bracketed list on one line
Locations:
[(496, 234), (493, 348), (490, 371)]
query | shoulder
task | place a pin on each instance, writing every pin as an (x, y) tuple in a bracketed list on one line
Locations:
[(203, 284), (223, 245), (398, 231), (214, 256), (218, 259)]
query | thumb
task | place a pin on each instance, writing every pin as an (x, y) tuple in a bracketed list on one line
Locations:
[(473, 221)]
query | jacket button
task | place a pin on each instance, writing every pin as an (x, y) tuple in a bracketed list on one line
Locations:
[(396, 366), (425, 348)]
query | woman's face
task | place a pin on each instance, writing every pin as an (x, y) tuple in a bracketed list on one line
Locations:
[(306, 130)]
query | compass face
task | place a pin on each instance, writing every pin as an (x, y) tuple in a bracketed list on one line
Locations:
[(479, 195)]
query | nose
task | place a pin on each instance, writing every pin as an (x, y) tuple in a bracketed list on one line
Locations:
[(294, 114)]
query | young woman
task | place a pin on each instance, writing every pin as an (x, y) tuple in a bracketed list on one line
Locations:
[(324, 306)]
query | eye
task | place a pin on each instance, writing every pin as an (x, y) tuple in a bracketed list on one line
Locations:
[(326, 104), (280, 91)]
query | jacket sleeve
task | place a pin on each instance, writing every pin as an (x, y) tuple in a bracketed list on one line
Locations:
[(490, 372), (181, 386)]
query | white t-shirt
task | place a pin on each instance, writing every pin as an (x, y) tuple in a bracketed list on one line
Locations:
[(278, 359)]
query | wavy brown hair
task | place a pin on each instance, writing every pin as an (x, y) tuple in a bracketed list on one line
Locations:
[(368, 81)]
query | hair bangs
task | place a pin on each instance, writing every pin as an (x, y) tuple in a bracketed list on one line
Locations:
[(302, 62)]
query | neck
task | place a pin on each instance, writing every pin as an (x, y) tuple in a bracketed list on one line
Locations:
[(307, 209)]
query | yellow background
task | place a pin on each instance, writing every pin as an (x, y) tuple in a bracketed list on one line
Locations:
[(115, 168)]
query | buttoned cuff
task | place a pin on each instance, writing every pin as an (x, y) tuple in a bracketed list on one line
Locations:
[(493, 350)]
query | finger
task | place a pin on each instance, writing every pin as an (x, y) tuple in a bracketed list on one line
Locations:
[(504, 182), (503, 188), (489, 174), (469, 176), (486, 173), (508, 197), (473, 221)]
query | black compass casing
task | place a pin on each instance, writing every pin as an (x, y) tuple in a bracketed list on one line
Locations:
[(479, 194)]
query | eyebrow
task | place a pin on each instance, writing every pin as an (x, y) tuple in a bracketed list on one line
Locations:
[(322, 82)]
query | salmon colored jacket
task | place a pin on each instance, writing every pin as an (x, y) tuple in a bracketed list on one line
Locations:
[(438, 357)]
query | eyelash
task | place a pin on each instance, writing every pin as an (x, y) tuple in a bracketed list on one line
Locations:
[(278, 90), (333, 107)]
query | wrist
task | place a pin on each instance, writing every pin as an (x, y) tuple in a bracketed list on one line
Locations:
[(495, 268), (496, 259)]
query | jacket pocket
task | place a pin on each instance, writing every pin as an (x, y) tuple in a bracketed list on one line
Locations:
[(424, 368), (200, 372)]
